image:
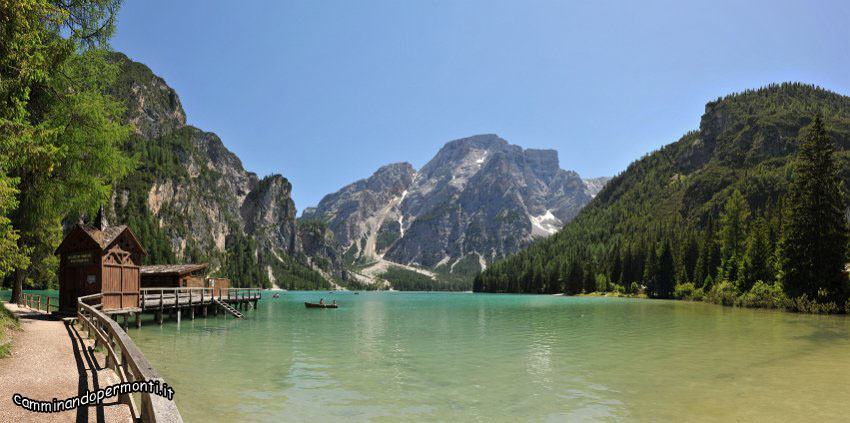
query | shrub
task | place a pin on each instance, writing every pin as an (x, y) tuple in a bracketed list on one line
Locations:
[(803, 304), (684, 291), (602, 284), (764, 295), (723, 293), (8, 321), (634, 288)]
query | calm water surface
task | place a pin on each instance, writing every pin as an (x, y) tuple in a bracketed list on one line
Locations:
[(478, 357)]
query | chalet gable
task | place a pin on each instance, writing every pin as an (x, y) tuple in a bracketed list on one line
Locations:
[(84, 237)]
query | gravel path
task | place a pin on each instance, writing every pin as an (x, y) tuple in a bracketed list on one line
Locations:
[(50, 360)]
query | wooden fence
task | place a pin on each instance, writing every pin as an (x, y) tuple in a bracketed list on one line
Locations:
[(36, 301), (127, 360)]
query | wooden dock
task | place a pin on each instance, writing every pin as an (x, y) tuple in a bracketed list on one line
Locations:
[(189, 302)]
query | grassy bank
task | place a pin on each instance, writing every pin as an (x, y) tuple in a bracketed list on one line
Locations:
[(761, 295), (8, 322)]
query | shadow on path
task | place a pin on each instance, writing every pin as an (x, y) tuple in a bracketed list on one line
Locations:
[(86, 363)]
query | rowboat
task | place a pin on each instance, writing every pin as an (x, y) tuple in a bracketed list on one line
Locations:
[(317, 305)]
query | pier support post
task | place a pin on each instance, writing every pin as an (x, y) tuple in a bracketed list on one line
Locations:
[(178, 316), (191, 312), (138, 320), (206, 307), (124, 324), (171, 311), (159, 316)]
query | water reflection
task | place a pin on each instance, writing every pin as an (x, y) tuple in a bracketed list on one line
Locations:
[(465, 357)]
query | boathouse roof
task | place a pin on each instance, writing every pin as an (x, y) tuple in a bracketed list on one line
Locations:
[(101, 238), (171, 269)]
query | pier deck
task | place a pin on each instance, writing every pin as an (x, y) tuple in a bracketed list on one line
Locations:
[(176, 301)]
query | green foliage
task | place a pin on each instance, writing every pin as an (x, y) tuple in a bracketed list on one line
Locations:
[(724, 293), (687, 291), (60, 133), (756, 264), (813, 247), (8, 321), (665, 278), (408, 280), (804, 304), (764, 295), (293, 275), (242, 265), (733, 229), (733, 225), (388, 233), (712, 205)]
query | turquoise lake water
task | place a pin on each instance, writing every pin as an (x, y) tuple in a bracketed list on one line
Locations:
[(477, 357)]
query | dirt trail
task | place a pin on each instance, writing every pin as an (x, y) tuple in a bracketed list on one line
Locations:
[(51, 360)]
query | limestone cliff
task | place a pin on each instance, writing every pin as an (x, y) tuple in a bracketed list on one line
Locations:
[(191, 199)]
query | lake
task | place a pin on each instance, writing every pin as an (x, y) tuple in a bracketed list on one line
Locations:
[(490, 357)]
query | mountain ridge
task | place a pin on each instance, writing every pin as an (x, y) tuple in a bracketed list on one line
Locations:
[(477, 199), (191, 199), (745, 143)]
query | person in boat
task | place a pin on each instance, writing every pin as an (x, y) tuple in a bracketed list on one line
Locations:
[(321, 301), (333, 303)]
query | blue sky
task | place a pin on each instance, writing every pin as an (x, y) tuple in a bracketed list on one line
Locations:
[(325, 92)]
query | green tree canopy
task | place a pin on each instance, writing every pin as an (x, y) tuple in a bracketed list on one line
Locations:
[(60, 133), (813, 248)]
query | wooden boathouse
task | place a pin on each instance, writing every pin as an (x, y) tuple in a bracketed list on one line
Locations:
[(99, 259), (102, 264)]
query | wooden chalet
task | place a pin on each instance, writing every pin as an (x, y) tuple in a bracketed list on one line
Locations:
[(99, 259), (173, 276)]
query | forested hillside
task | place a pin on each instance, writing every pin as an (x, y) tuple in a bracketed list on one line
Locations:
[(703, 216)]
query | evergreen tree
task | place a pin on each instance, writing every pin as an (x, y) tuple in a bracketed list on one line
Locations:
[(689, 257), (664, 278), (616, 266), (589, 283), (755, 266), (733, 232), (575, 279), (813, 248), (650, 269), (627, 275)]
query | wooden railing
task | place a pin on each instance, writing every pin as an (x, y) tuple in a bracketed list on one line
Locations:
[(127, 360), (188, 296), (37, 300)]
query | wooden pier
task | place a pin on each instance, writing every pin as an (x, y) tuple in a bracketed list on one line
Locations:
[(189, 302), (196, 301)]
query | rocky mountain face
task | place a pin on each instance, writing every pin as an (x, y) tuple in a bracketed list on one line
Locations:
[(479, 199), (193, 195)]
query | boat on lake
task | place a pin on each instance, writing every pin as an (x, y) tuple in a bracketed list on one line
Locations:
[(276, 296), (317, 305)]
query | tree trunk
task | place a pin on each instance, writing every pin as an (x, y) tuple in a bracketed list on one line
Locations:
[(17, 285)]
